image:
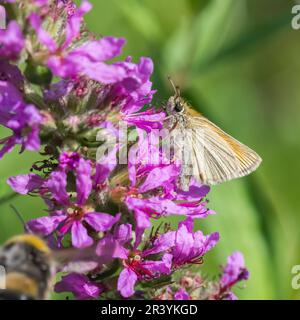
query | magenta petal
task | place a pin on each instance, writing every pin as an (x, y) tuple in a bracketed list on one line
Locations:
[(163, 243), (101, 50), (142, 223), (80, 237), (188, 224), (158, 176), (58, 90), (74, 23), (145, 68), (126, 282), (146, 120), (181, 294), (57, 184), (43, 36), (104, 73), (109, 248), (8, 145), (11, 73), (11, 41), (83, 181), (62, 67), (32, 140), (105, 165), (211, 240), (25, 183), (80, 286), (184, 245), (195, 192), (10, 99), (166, 207), (45, 225), (230, 296), (101, 221), (163, 266), (123, 233)]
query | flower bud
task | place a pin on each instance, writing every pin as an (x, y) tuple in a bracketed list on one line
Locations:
[(37, 74)]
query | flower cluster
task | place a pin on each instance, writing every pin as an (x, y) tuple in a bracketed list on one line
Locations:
[(192, 286), (72, 99)]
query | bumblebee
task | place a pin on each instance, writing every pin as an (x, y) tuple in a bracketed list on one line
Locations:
[(29, 267)]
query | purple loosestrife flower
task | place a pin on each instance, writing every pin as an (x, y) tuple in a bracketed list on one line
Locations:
[(87, 59), (80, 286), (11, 41), (188, 247), (191, 246), (234, 272), (72, 216), (136, 264), (130, 84), (135, 88), (23, 119)]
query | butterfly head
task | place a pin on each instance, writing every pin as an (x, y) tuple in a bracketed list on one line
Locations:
[(175, 104)]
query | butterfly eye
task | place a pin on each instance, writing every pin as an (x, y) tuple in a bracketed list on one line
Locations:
[(178, 107)]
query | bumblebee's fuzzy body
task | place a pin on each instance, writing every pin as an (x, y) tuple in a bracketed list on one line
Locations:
[(29, 268)]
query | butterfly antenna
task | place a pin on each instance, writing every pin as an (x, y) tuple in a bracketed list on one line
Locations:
[(176, 88), (18, 214)]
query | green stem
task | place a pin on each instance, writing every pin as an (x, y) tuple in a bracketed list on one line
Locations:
[(8, 198)]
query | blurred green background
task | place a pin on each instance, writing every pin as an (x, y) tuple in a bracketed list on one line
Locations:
[(237, 61)]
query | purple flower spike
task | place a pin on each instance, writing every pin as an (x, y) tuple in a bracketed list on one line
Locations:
[(107, 167)]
